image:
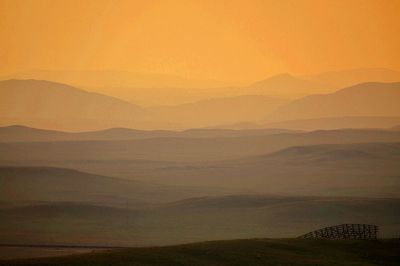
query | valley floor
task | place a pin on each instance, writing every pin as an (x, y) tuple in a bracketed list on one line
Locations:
[(240, 252)]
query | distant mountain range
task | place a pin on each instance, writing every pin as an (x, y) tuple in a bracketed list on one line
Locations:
[(284, 85), (51, 105), (280, 84), (287, 86), (26, 134), (57, 106), (217, 111), (54, 105), (366, 99)]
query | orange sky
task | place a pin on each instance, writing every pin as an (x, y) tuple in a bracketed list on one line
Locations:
[(215, 39)]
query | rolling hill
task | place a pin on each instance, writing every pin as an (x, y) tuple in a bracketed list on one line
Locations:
[(366, 99), (205, 113), (287, 86), (294, 164), (28, 185), (51, 105), (368, 170), (19, 133), (197, 219), (47, 104), (159, 89), (183, 149)]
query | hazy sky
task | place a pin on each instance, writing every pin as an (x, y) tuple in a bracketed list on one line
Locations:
[(224, 40)]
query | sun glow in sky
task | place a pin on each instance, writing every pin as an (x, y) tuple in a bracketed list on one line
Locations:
[(215, 39)]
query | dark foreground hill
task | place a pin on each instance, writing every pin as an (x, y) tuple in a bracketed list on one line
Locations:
[(241, 252)]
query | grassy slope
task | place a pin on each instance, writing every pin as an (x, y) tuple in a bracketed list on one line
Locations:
[(47, 184), (242, 252), (192, 220)]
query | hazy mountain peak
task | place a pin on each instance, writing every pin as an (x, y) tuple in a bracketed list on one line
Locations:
[(48, 104), (277, 79), (370, 87), (285, 85), (365, 99), (281, 76), (37, 82)]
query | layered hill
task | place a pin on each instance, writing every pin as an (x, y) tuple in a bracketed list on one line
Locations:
[(366, 99), (19, 133), (356, 163), (184, 149), (30, 185), (288, 86), (218, 111), (368, 169), (54, 105)]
